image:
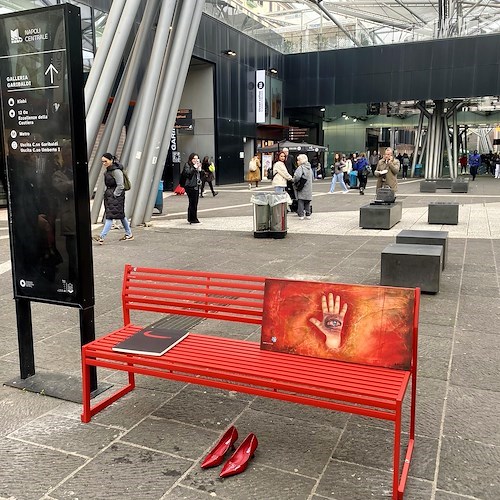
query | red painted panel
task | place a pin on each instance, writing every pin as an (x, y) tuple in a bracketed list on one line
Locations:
[(354, 323)]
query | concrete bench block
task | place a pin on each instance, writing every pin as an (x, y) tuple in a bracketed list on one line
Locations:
[(444, 183), (442, 212), (460, 185), (427, 186), (416, 237), (380, 216), (409, 265)]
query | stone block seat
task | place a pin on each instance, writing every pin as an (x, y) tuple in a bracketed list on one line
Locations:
[(416, 237), (427, 186), (380, 216), (409, 265), (442, 212), (460, 185)]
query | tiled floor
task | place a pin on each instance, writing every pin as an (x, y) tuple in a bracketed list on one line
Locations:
[(149, 444)]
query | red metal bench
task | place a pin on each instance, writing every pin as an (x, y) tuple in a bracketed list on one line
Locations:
[(243, 366)]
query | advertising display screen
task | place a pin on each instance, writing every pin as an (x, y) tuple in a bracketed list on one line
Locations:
[(45, 154)]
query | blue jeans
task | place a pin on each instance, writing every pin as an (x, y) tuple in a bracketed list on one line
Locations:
[(338, 178), (109, 222), (279, 189)]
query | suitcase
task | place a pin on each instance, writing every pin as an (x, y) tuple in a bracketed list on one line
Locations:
[(353, 179)]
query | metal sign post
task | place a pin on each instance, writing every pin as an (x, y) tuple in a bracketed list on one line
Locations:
[(43, 131)]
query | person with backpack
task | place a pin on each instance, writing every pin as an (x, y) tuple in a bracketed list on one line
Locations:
[(253, 174), (474, 163), (302, 180), (280, 174), (361, 166), (405, 162), (114, 197)]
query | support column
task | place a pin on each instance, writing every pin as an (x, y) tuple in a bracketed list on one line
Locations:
[(145, 108), (176, 68), (418, 137), (109, 72), (119, 109), (112, 21), (179, 87)]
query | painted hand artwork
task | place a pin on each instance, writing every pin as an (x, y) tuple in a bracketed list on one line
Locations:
[(361, 324), (332, 322)]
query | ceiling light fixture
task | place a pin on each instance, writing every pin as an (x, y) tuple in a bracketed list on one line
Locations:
[(322, 109), (274, 71), (230, 52)]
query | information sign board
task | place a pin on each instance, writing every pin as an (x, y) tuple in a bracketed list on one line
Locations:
[(43, 130)]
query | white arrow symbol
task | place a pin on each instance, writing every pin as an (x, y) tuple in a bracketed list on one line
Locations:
[(51, 69)]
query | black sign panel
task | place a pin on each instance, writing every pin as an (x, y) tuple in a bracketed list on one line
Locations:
[(184, 119), (43, 131)]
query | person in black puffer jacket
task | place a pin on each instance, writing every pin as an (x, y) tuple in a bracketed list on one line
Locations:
[(114, 198)]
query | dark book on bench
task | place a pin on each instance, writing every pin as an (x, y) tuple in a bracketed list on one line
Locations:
[(151, 341)]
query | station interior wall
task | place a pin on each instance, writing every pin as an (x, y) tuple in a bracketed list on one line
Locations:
[(198, 95)]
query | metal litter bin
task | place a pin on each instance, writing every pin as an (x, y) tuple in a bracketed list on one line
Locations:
[(261, 215), (278, 207)]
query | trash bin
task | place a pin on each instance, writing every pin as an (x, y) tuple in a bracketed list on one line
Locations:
[(159, 199), (278, 208), (261, 215), (418, 170)]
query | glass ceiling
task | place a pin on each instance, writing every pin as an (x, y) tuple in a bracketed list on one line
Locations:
[(312, 25)]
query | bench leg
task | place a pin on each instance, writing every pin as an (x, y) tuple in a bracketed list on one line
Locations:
[(85, 388), (399, 484), (88, 411), (396, 454)]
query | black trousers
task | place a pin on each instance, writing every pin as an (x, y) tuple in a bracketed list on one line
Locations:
[(362, 181), (210, 184), (193, 196)]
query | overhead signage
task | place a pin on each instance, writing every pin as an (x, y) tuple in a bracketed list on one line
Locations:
[(184, 119), (260, 96), (43, 131)]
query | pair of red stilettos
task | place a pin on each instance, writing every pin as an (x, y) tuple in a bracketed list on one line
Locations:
[(238, 461)]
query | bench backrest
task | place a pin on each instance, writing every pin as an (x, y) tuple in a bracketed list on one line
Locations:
[(220, 296), (363, 324)]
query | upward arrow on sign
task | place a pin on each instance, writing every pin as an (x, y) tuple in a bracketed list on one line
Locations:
[(51, 70)]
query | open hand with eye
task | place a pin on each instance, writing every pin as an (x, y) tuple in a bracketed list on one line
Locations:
[(332, 322)]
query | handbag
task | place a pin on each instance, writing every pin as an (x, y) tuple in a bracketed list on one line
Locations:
[(300, 183), (252, 166), (126, 182)]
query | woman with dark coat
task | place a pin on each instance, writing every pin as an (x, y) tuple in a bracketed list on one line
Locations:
[(190, 176), (114, 197), (208, 176)]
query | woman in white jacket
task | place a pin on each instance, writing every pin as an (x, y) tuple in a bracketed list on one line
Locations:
[(280, 174)]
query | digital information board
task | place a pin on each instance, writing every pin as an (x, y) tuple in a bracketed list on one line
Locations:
[(43, 129)]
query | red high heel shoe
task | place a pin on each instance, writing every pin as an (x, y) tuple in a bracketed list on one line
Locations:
[(238, 461), (216, 455)]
